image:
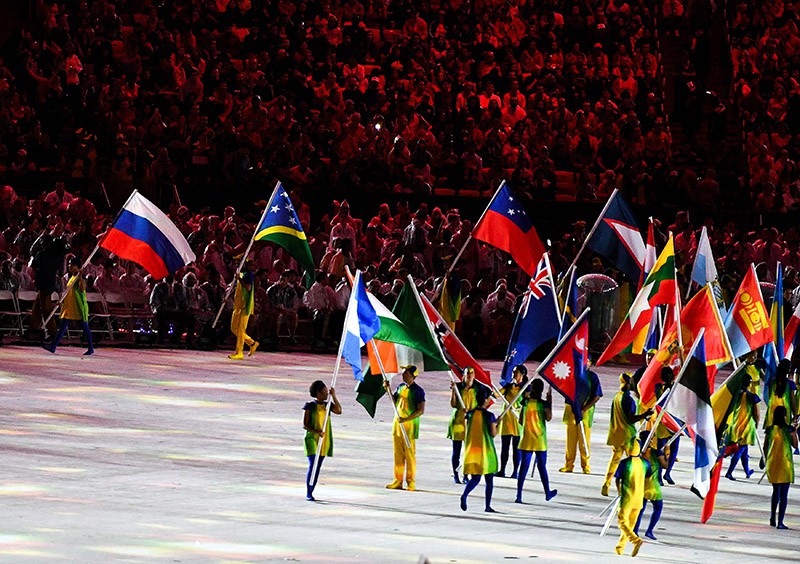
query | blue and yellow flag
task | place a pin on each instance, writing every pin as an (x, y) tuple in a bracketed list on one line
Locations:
[(281, 225)]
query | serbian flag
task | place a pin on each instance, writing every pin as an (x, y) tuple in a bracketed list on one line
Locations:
[(505, 224), (454, 351), (565, 367), (790, 334), (142, 233), (747, 322), (617, 237)]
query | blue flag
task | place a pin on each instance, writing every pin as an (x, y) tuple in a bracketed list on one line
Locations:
[(618, 238), (537, 320), (361, 324), (773, 352)]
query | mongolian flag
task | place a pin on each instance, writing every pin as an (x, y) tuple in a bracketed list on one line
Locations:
[(505, 224), (747, 323)]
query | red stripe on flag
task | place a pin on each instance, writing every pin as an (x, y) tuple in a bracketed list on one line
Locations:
[(138, 251), (525, 248)]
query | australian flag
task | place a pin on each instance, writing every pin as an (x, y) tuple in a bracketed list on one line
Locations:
[(538, 319)]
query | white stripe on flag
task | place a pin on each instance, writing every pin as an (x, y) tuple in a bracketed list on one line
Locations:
[(143, 207)]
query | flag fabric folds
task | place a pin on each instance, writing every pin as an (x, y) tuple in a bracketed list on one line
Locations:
[(747, 324), (650, 254), (537, 320), (361, 325), (281, 225), (455, 353), (691, 403), (450, 302), (506, 225), (369, 390), (410, 342), (565, 368), (618, 238), (659, 288), (776, 313), (142, 233), (724, 399), (701, 313), (704, 269)]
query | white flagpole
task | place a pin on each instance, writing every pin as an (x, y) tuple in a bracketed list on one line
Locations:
[(464, 246), (594, 227), (330, 399), (86, 262), (553, 286), (233, 283), (547, 359), (428, 324), (674, 386)]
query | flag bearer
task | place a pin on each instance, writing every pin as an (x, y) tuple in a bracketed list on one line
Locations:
[(630, 477), (742, 428), (779, 440), (410, 401), (74, 308), (579, 437), (509, 424), (480, 456), (652, 486), (455, 430), (313, 420), (243, 301), (535, 414)]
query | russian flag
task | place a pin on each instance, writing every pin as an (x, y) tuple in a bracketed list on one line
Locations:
[(143, 234)]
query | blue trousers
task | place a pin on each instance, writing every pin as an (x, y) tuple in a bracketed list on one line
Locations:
[(525, 463), (744, 456), (473, 482), (455, 459), (87, 333), (512, 442), (780, 499), (311, 484), (658, 506)]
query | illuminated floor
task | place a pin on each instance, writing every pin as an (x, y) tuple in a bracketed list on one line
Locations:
[(189, 457)]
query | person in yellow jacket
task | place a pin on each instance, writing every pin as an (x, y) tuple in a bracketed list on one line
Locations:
[(243, 302), (579, 436), (631, 475), (509, 424), (409, 397), (458, 420), (74, 307), (622, 428), (779, 441), (313, 421)]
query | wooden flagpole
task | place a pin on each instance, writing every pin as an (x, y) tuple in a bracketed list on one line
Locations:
[(235, 280)]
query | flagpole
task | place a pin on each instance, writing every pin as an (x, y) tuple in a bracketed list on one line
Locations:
[(330, 399), (611, 516), (594, 227), (553, 285), (464, 246), (87, 261), (230, 287), (675, 436), (547, 359), (689, 286), (674, 387), (678, 313), (394, 405), (435, 340)]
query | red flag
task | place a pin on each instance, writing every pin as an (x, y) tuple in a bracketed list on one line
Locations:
[(506, 225), (566, 366), (455, 353), (711, 497), (747, 323)]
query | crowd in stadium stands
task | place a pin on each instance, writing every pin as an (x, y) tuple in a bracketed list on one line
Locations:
[(176, 96), (765, 51)]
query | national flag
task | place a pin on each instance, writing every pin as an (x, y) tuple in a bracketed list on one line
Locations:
[(699, 314), (747, 324), (704, 269), (776, 313), (790, 334), (537, 320), (369, 390), (142, 233), (455, 353), (723, 400), (281, 226), (570, 311), (654, 333), (650, 252), (505, 224), (691, 403), (361, 323), (659, 288), (617, 237), (711, 497), (565, 367), (410, 344), (450, 301)]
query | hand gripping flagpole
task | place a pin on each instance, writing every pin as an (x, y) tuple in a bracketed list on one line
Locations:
[(235, 280), (394, 405), (86, 262), (675, 385), (330, 400), (464, 246), (549, 357), (435, 340), (594, 228)]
